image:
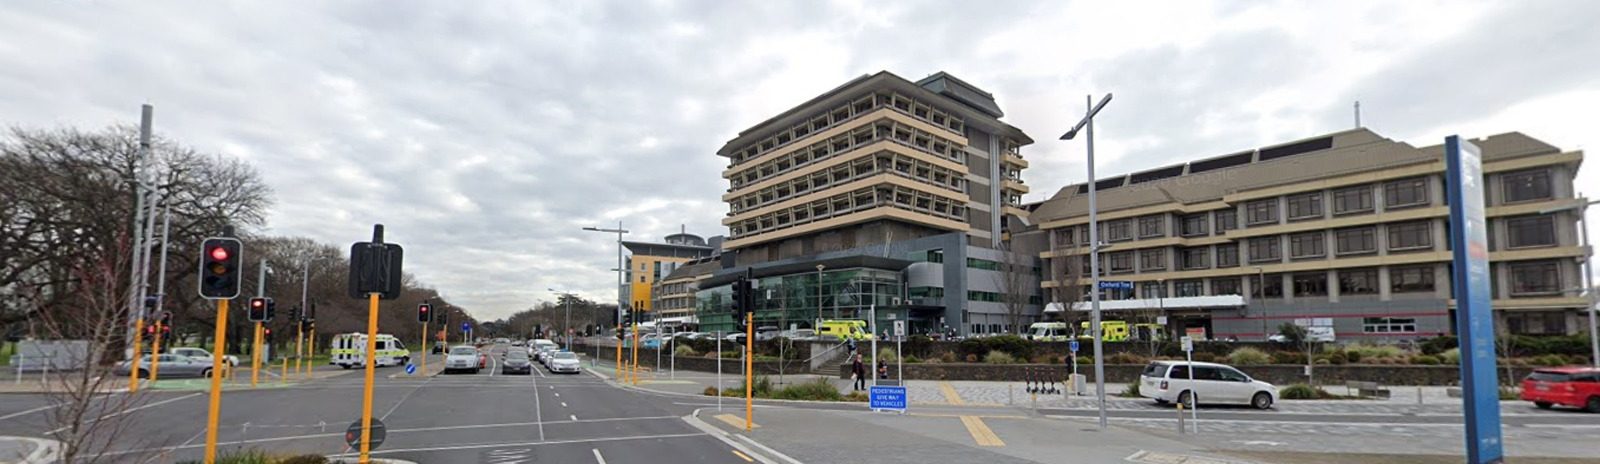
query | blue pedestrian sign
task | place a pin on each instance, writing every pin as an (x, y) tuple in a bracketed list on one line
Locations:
[(465, 327), (887, 398), (1116, 285), (411, 368), (1469, 245), (1072, 346)]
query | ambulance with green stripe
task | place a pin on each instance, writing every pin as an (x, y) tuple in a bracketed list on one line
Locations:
[(349, 350)]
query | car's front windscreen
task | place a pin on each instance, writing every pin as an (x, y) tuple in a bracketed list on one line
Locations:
[(566, 355), (463, 351)]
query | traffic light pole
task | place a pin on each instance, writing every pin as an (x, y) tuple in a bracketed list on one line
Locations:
[(370, 362), (424, 347), (221, 337), (255, 357), (634, 372), (161, 293), (155, 353), (299, 343), (749, 356)]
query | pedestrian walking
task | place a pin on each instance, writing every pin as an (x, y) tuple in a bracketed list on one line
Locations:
[(858, 373)]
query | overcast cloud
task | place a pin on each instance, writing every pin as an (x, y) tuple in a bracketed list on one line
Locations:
[(486, 135)]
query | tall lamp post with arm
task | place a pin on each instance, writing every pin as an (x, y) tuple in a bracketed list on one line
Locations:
[(619, 231), (1588, 274), (1094, 251)]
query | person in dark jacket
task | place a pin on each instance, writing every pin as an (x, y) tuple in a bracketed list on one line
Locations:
[(859, 372)]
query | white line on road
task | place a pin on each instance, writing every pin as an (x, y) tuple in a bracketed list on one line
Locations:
[(34, 410), (403, 399), (125, 411), (563, 404), (597, 457), (537, 411), (574, 417), (540, 443), (558, 395)]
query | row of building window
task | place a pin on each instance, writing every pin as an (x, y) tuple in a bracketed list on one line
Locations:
[(1520, 186), (846, 143), (1528, 278), (892, 196), (880, 163), (843, 113)]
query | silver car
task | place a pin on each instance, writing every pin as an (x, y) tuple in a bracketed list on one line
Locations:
[(172, 365), (462, 358), (563, 362)]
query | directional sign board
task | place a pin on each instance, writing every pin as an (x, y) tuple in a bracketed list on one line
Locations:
[(1072, 346), (1469, 245), (411, 369), (884, 398), (1116, 285), (899, 328), (352, 435)]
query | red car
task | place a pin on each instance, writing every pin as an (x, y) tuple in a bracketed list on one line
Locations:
[(483, 360), (1574, 386)]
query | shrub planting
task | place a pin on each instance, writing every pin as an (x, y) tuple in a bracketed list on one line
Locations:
[(999, 357), (1247, 356)]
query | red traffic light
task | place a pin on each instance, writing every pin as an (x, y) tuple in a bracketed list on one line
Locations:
[(219, 253), (257, 302), (266, 331)]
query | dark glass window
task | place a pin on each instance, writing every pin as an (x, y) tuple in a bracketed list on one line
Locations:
[(1119, 230), (1261, 212), (1307, 245), (1263, 249), (1228, 255), (1305, 206), (1152, 226), (1121, 261), (1152, 290), (1193, 287), (1358, 281), (1411, 279), (1352, 200), (1154, 259), (1535, 278), (1526, 185), (1273, 288), (1356, 240), (1409, 235), (1194, 258), (1531, 231), (1193, 225), (1388, 325), (1227, 219), (1225, 286), (1310, 284), (1407, 192)]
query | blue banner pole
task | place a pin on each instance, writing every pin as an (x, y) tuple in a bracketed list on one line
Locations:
[(1480, 387)]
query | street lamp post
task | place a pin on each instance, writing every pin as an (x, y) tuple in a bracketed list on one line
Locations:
[(619, 231), (819, 292), (566, 327), (1588, 274), (1094, 251)]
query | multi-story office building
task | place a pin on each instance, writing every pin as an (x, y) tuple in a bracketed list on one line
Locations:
[(647, 263), (832, 204), (1347, 228), (674, 294)]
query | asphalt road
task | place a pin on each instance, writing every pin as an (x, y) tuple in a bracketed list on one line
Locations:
[(467, 418)]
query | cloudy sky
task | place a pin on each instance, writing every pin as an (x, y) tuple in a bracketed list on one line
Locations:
[(485, 135)]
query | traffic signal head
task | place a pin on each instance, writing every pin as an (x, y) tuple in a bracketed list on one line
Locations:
[(220, 260), (257, 310), (272, 308), (424, 313), (294, 314)]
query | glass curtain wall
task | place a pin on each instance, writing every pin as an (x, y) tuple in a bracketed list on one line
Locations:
[(796, 299)]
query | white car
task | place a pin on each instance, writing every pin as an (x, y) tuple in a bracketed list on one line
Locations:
[(1168, 382), (537, 347), (563, 361), (200, 355), (462, 358)]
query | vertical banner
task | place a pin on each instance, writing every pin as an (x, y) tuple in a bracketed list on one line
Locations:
[(1474, 317)]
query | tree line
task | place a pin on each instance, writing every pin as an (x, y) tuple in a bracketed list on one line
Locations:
[(67, 206)]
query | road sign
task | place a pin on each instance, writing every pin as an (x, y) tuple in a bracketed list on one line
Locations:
[(375, 267), (1161, 320), (1475, 322), (465, 327), (352, 435), (899, 328), (1072, 346), (411, 369), (1188, 344), (887, 398), (1116, 285)]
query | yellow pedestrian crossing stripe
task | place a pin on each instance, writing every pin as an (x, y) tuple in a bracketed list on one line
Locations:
[(736, 421), (950, 395), (981, 432)]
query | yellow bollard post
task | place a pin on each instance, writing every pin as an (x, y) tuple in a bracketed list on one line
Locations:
[(138, 337), (255, 357), (370, 362), (634, 373), (311, 347), (619, 354), (155, 354), (216, 380)]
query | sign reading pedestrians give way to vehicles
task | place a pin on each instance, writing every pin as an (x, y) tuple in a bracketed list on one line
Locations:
[(884, 398)]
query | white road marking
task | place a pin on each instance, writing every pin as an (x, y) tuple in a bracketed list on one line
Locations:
[(597, 457), (563, 404), (558, 395), (558, 442), (574, 417), (538, 412), (404, 398), (125, 411), (41, 408)]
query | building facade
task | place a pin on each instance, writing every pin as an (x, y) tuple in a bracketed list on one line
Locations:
[(870, 196), (1347, 228), (648, 263)]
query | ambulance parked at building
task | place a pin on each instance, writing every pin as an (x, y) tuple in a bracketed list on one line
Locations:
[(349, 350)]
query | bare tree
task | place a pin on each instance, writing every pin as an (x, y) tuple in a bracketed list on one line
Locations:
[(1015, 280), (1067, 272)]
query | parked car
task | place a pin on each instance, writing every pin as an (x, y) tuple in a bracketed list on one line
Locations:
[(538, 346), (798, 334), (1574, 386), (201, 355), (766, 332), (736, 337), (516, 362), (564, 362), (172, 365), (517, 343), (1169, 382), (686, 335), (463, 358)]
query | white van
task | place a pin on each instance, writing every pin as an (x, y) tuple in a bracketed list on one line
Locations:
[(1049, 332), (1168, 382), (349, 350)]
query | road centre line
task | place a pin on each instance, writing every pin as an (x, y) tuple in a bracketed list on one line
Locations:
[(537, 410), (125, 411)]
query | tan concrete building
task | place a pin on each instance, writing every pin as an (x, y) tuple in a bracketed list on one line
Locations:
[(1348, 227), (674, 293)]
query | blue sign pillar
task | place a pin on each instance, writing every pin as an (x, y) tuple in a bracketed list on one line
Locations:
[(1469, 243)]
